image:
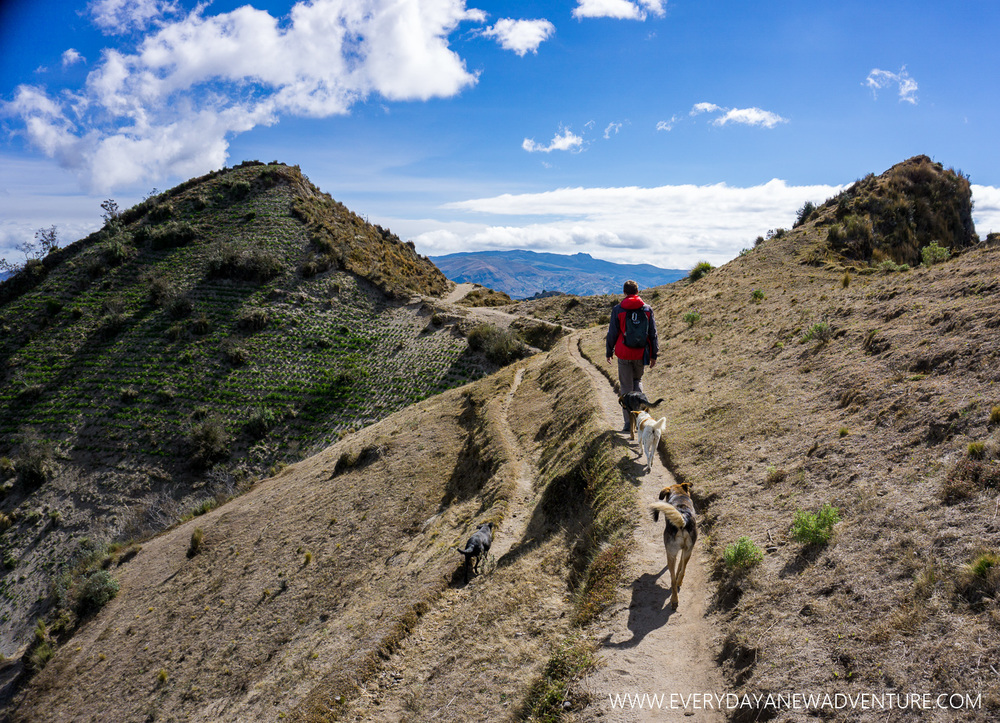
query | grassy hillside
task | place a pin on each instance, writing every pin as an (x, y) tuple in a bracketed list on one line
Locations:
[(212, 333)]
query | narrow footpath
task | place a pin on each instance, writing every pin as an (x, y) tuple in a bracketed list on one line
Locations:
[(647, 648)]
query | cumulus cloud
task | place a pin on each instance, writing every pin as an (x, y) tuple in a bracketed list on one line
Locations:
[(565, 140), (907, 86), (122, 16), (741, 116), (618, 9), (521, 36), (670, 226), (72, 57), (170, 107)]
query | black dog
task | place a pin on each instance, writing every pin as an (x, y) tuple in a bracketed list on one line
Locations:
[(636, 402), (478, 544)]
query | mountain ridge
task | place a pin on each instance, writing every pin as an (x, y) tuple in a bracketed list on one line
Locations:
[(524, 273)]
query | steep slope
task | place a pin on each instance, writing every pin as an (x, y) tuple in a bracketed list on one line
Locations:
[(220, 329), (521, 274)]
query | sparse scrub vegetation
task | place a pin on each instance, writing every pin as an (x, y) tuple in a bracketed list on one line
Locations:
[(194, 547), (742, 554), (700, 270), (98, 588), (229, 261), (500, 346), (209, 442), (691, 318), (820, 331), (815, 528), (933, 254)]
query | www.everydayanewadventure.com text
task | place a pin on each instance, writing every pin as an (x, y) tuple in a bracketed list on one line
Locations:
[(796, 701)]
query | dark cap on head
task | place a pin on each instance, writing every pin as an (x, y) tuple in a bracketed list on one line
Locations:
[(630, 288)]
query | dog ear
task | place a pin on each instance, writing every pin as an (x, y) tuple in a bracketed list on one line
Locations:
[(664, 493), (636, 412), (686, 486)]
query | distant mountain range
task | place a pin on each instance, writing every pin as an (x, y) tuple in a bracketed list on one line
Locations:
[(521, 274)]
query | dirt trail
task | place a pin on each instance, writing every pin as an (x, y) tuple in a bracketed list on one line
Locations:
[(647, 648)]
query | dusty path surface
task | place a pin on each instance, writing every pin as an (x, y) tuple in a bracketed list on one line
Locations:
[(646, 647)]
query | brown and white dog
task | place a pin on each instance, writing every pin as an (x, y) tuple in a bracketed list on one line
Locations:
[(636, 402), (650, 431), (680, 533)]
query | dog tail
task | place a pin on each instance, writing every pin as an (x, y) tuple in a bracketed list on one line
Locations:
[(673, 515), (467, 551), (660, 424), (655, 404)]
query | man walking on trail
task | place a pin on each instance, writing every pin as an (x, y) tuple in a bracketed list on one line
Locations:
[(632, 338)]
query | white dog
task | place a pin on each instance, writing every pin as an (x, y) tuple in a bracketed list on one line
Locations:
[(650, 431)]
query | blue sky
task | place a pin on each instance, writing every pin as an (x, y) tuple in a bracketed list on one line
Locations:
[(655, 131)]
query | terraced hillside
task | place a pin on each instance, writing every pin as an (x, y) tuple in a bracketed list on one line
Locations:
[(213, 332)]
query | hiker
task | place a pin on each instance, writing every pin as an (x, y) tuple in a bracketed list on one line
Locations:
[(632, 338)]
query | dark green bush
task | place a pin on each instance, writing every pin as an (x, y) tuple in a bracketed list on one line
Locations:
[(500, 346), (209, 442), (700, 270), (96, 591), (244, 264)]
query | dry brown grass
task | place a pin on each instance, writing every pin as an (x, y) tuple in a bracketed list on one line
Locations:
[(756, 422)]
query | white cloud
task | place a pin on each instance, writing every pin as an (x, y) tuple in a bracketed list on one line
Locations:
[(667, 125), (122, 16), (612, 128), (521, 36), (986, 209), (169, 107), (72, 57), (618, 9), (750, 117), (705, 108), (879, 79), (565, 140), (742, 116)]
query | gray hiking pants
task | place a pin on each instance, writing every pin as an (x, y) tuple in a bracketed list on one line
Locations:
[(630, 378)]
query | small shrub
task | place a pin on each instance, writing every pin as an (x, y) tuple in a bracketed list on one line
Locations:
[(820, 331), (774, 475), (179, 307), (209, 441), (33, 461), (500, 346), (757, 295), (97, 590), (244, 264), (844, 431), (804, 213), (815, 528), (933, 254), (195, 545), (846, 280), (995, 416), (691, 318), (742, 554), (979, 579), (976, 450), (172, 235), (128, 394), (162, 676), (235, 353), (700, 270), (202, 325), (254, 319), (261, 421)]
